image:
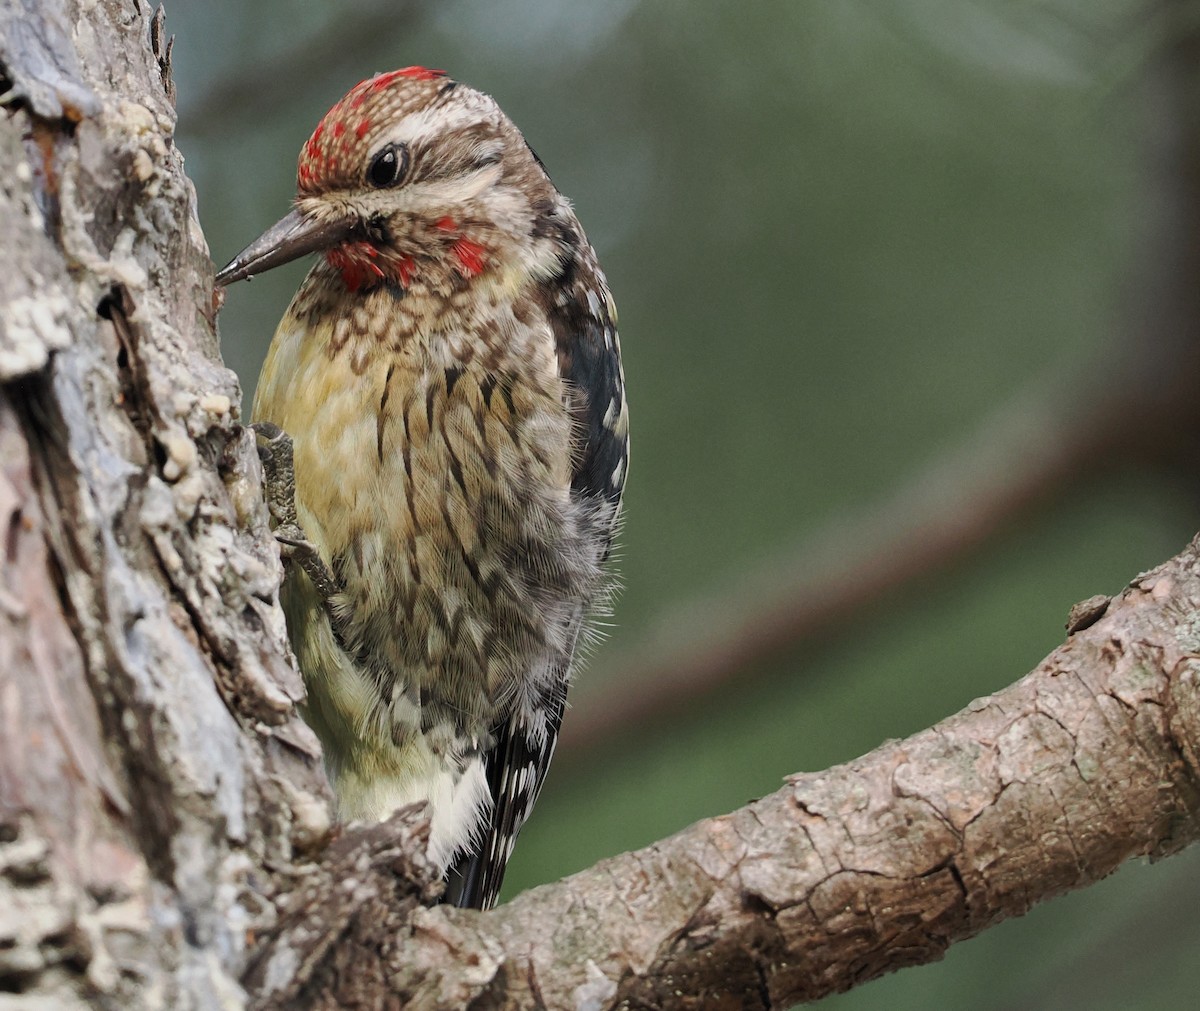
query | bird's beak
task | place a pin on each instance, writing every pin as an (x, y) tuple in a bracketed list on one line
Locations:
[(295, 236)]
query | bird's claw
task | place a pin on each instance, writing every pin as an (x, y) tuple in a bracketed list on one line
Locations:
[(279, 489), (279, 473)]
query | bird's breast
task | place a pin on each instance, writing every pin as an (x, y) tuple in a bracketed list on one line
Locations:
[(434, 478)]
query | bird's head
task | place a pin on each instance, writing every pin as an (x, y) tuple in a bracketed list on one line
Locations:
[(413, 177)]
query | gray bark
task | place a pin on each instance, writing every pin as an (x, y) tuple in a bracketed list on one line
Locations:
[(152, 765), (165, 831)]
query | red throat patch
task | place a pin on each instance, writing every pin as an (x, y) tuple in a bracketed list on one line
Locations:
[(355, 262), (360, 266)]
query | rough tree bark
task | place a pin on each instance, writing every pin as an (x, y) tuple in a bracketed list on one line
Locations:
[(165, 836)]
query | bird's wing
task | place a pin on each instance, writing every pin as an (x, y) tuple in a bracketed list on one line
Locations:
[(516, 767), (589, 357)]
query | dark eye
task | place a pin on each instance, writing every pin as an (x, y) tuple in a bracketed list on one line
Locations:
[(388, 167)]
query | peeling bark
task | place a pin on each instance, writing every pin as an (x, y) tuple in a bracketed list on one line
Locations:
[(165, 832)]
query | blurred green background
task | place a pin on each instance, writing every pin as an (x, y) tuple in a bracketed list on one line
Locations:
[(848, 240)]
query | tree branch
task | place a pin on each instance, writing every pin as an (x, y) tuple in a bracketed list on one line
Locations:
[(843, 875)]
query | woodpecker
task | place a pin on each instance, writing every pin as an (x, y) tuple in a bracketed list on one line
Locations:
[(448, 382)]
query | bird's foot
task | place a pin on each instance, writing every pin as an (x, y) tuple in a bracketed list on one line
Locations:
[(279, 488)]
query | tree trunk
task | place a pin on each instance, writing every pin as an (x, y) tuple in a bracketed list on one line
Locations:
[(165, 830)]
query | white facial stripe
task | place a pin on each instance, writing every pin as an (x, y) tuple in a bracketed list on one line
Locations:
[(438, 121), (460, 188)]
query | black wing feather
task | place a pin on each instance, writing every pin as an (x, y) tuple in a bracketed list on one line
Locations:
[(474, 879)]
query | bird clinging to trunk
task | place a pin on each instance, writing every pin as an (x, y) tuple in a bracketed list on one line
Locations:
[(449, 378)]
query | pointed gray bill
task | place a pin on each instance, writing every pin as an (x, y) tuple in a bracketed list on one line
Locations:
[(293, 237)]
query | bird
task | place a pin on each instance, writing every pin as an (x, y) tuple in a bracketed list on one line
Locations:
[(446, 396)]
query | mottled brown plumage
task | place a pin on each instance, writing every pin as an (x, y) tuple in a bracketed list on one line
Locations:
[(449, 374)]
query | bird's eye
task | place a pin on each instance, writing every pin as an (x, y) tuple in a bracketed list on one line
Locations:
[(388, 167)]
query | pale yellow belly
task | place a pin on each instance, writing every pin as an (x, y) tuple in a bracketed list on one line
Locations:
[(438, 501)]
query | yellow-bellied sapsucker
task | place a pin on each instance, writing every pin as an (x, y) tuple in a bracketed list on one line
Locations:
[(450, 378)]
